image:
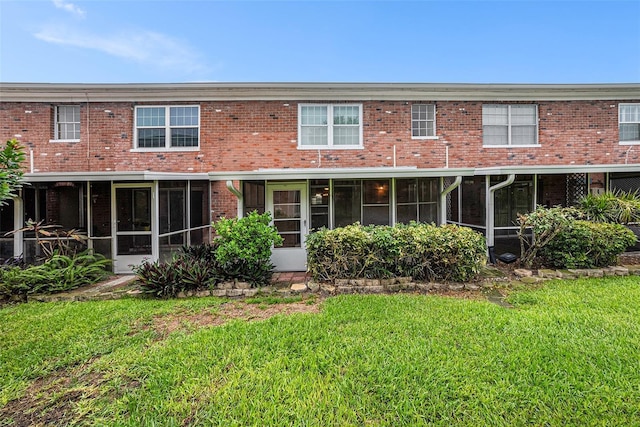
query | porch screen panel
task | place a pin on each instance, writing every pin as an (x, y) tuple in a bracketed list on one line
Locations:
[(406, 200), (347, 202), (375, 208), (6, 225), (319, 202), (253, 196)]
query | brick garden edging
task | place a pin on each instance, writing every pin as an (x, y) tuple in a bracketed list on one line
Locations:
[(340, 286)]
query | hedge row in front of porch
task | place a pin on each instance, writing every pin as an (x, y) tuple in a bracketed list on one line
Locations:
[(424, 252)]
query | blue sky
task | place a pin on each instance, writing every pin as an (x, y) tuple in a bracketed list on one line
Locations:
[(149, 41)]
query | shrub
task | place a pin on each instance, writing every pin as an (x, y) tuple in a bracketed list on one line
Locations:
[(585, 244), (422, 251), (57, 274), (616, 208), (545, 224), (243, 247), (191, 269)]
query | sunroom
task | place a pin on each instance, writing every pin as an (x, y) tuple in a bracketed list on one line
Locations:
[(127, 217)]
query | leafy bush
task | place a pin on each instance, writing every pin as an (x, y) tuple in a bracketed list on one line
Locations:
[(241, 252), (422, 251), (57, 274), (244, 247), (585, 244), (545, 224), (191, 269)]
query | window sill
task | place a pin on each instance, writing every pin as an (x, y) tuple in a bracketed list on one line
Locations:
[(163, 150), (513, 146), (64, 140), (629, 142), (425, 137), (330, 147)]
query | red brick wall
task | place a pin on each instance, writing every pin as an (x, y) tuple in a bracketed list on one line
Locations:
[(251, 135), (247, 135)]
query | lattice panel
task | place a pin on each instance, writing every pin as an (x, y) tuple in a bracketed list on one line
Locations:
[(447, 182), (576, 187)]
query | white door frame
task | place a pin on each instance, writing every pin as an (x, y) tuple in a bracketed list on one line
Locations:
[(122, 263), (290, 258)]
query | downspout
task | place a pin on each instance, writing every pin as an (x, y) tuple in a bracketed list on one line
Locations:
[(490, 218), (236, 193), (443, 198)]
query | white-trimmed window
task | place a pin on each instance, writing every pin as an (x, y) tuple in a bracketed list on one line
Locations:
[(423, 121), (173, 128), (67, 123), (509, 125), (329, 126), (629, 122)]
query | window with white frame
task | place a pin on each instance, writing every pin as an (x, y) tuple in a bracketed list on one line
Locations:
[(629, 122), (67, 122), (423, 121), (329, 126), (509, 125), (167, 127)]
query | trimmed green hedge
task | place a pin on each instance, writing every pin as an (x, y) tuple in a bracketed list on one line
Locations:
[(422, 251), (585, 244)]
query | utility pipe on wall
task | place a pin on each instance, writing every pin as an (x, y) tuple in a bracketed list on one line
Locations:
[(490, 218), (443, 198)]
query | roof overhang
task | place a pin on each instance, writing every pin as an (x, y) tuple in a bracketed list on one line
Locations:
[(338, 173), (324, 173), (195, 92), (113, 176), (556, 169)]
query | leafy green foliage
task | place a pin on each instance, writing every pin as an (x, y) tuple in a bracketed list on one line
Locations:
[(422, 251), (616, 208), (244, 247), (241, 252), (585, 244), (545, 224), (11, 158), (191, 269), (57, 274)]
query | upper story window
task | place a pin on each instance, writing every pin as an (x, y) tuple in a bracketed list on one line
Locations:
[(629, 121), (423, 121), (329, 126), (167, 127), (509, 125), (67, 123)]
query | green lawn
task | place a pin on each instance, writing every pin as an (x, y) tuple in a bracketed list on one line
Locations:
[(568, 354)]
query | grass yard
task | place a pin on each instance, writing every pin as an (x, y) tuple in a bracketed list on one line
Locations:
[(567, 354)]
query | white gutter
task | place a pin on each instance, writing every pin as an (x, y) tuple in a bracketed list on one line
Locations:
[(338, 173), (234, 190), (490, 218), (443, 198)]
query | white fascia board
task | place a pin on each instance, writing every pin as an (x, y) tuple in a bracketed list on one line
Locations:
[(556, 169), (113, 176), (195, 92), (339, 173)]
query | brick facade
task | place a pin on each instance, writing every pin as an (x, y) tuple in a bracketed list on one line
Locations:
[(254, 127), (249, 135)]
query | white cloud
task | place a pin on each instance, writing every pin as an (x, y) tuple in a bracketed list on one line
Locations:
[(145, 47), (69, 7)]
